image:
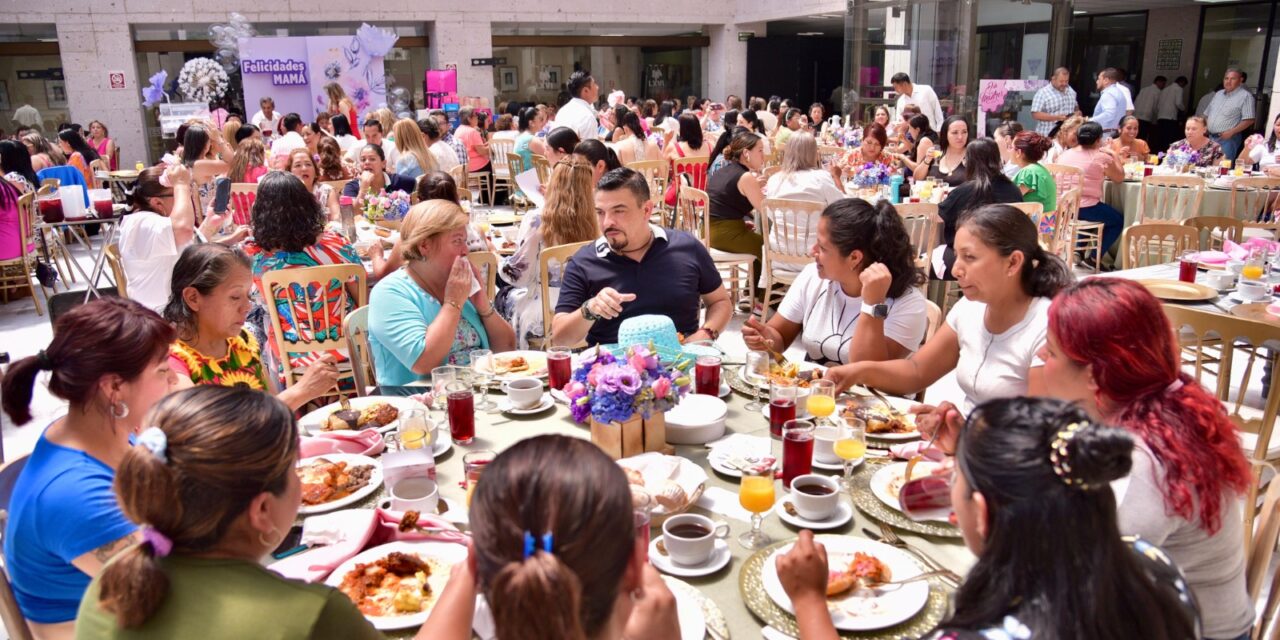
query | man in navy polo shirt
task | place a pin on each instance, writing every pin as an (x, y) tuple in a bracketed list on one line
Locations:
[(637, 268)]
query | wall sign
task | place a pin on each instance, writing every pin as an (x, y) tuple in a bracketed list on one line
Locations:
[(115, 79), (487, 62), (284, 73), (1169, 55), (744, 36)]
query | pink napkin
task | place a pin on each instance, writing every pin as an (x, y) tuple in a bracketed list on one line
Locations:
[(1212, 257), (367, 442), (1274, 308), (909, 450), (1234, 251), (358, 529)]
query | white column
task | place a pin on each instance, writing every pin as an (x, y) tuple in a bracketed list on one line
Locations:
[(727, 59), (91, 46), (457, 41)]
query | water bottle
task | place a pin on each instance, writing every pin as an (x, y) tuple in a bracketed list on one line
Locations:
[(347, 214), (895, 189)]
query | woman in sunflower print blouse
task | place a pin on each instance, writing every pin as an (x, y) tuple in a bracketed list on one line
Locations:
[(208, 304)]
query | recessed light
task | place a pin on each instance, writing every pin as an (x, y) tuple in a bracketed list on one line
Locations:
[(1080, 12), (810, 33)]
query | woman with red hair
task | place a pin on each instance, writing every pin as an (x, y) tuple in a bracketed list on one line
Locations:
[(1111, 349)]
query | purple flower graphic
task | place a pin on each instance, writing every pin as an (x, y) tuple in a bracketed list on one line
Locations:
[(153, 93)]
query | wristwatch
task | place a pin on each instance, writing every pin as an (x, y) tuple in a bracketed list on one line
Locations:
[(715, 335), (880, 311), (587, 313)]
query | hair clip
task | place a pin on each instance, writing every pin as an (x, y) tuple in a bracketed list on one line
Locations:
[(155, 441), (531, 544), (1059, 456), (161, 545)]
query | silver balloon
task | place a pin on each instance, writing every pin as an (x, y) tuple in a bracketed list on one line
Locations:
[(226, 53), (399, 92), (237, 18), (404, 114), (230, 66)]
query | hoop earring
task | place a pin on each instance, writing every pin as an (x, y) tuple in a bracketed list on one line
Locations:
[(268, 543), (122, 413)]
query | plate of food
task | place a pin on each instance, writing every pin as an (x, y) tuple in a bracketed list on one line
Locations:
[(882, 421), (395, 585), (801, 372), (519, 364), (857, 597), (887, 483), (357, 414), (669, 484), (336, 480)]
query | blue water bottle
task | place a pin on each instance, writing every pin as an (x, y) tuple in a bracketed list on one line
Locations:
[(895, 189)]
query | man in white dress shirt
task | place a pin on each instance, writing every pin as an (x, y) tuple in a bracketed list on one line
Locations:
[(266, 118), (921, 95), (292, 139), (1171, 104), (373, 135), (1145, 107), (1111, 105), (579, 114)]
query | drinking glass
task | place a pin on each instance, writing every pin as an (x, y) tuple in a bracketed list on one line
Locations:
[(462, 412), (782, 405), (1253, 266), (473, 465), (851, 445), (559, 366), (1187, 266), (755, 372), (440, 379), (707, 375), (482, 369), (797, 450), (481, 221), (822, 400), (927, 497), (413, 430), (755, 494), (643, 524)]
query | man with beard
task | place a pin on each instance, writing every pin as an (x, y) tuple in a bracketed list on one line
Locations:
[(637, 268)]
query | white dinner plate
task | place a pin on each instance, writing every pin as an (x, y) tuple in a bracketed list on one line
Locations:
[(446, 554), (352, 459), (693, 623), (754, 449), (855, 611), (887, 482), (537, 365), (313, 422)]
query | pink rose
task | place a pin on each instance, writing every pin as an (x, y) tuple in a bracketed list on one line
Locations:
[(575, 389), (661, 388), (637, 362), (593, 374)]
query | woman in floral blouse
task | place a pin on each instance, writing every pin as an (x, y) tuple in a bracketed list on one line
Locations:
[(1197, 148), (1033, 499), (210, 300)]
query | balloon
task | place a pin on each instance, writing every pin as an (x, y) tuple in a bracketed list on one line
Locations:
[(230, 66), (388, 79), (404, 114), (237, 18), (400, 92), (226, 53), (397, 104)]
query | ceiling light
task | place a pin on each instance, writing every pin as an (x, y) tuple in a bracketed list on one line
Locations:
[(1080, 12), (810, 33), (1214, 1)]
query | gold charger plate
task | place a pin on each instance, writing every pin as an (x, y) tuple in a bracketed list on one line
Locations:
[(751, 587), (868, 503), (1255, 311), (504, 218), (1178, 290)]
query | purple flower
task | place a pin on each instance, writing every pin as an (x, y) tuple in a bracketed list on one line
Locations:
[(153, 94)]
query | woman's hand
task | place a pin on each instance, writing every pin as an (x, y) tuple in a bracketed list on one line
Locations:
[(803, 570), (458, 288), (942, 424), (754, 334), (654, 615), (320, 378), (876, 280), (178, 174), (845, 376), (366, 180)]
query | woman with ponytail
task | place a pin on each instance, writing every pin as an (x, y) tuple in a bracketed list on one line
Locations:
[(555, 551), (109, 361), (992, 334), (984, 183), (860, 299), (212, 484), (1112, 350), (1030, 471), (601, 158)]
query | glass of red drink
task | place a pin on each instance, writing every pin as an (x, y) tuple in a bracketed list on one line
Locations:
[(461, 407), (559, 366), (707, 375), (782, 405), (643, 520), (926, 498), (797, 450), (1187, 266)]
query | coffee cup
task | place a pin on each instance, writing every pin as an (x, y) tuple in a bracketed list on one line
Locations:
[(690, 538), (824, 442), (524, 393), (815, 497), (1252, 290), (1220, 279), (415, 493)]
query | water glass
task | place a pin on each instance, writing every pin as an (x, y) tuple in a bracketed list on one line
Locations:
[(1187, 266), (482, 368), (851, 445), (707, 375), (473, 465), (755, 372), (414, 430), (440, 379), (559, 366), (782, 405)]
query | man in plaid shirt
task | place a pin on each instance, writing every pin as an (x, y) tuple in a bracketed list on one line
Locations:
[(1054, 102), (447, 137)]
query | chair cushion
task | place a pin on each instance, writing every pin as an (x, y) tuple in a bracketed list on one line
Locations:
[(724, 256)]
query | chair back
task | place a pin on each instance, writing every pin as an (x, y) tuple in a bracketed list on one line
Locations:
[(243, 195), (1212, 230), (27, 223), (1155, 243), (1261, 545), (112, 254), (464, 194), (1216, 342), (1255, 199), (363, 369), (101, 173), (789, 228), (515, 162), (1170, 198), (693, 166), (316, 297), (924, 226), (934, 313), (769, 172), (693, 212), (51, 184), (560, 256), (1065, 177), (336, 185), (1062, 240), (826, 154), (543, 167), (1033, 210), (487, 263), (499, 149), (459, 174), (656, 173)]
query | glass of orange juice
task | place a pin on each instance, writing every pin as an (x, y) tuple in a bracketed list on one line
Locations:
[(414, 431), (756, 495), (1253, 266), (851, 445), (821, 402)]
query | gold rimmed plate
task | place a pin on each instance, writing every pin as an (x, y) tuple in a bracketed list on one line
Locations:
[(1179, 291)]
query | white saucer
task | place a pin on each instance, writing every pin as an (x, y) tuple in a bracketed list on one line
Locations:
[(835, 466), (724, 390), (545, 403), (1235, 295), (842, 515), (442, 443), (720, 556)]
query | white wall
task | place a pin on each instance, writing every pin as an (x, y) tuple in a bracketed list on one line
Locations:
[(1164, 24)]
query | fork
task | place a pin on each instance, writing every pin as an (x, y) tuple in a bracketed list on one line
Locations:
[(888, 536), (880, 396), (938, 573)]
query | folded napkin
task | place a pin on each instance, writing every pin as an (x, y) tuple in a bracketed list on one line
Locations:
[(725, 503), (367, 443), (909, 450), (1212, 257), (1241, 251), (346, 533)]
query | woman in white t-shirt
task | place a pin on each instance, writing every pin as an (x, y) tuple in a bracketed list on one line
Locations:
[(152, 235), (859, 300), (800, 177), (992, 335)]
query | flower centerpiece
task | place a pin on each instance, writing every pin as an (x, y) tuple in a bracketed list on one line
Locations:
[(870, 175), (384, 207), (625, 398), (1181, 155), (202, 80)]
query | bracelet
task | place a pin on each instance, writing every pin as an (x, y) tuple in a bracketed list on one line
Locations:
[(587, 313), (486, 315), (715, 335), (453, 304)]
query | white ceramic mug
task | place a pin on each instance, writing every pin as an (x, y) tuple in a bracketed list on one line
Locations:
[(1252, 289), (525, 393), (692, 550), (824, 441), (1220, 279), (415, 493), (811, 504)]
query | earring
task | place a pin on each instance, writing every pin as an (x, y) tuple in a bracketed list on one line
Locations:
[(122, 412), (268, 543)]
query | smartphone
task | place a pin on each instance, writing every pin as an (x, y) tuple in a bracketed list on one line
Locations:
[(289, 543), (221, 195)]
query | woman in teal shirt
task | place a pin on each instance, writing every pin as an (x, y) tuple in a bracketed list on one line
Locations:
[(432, 311), (1033, 179)]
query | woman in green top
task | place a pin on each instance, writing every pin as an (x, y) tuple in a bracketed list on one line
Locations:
[(214, 488), (1032, 178)]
